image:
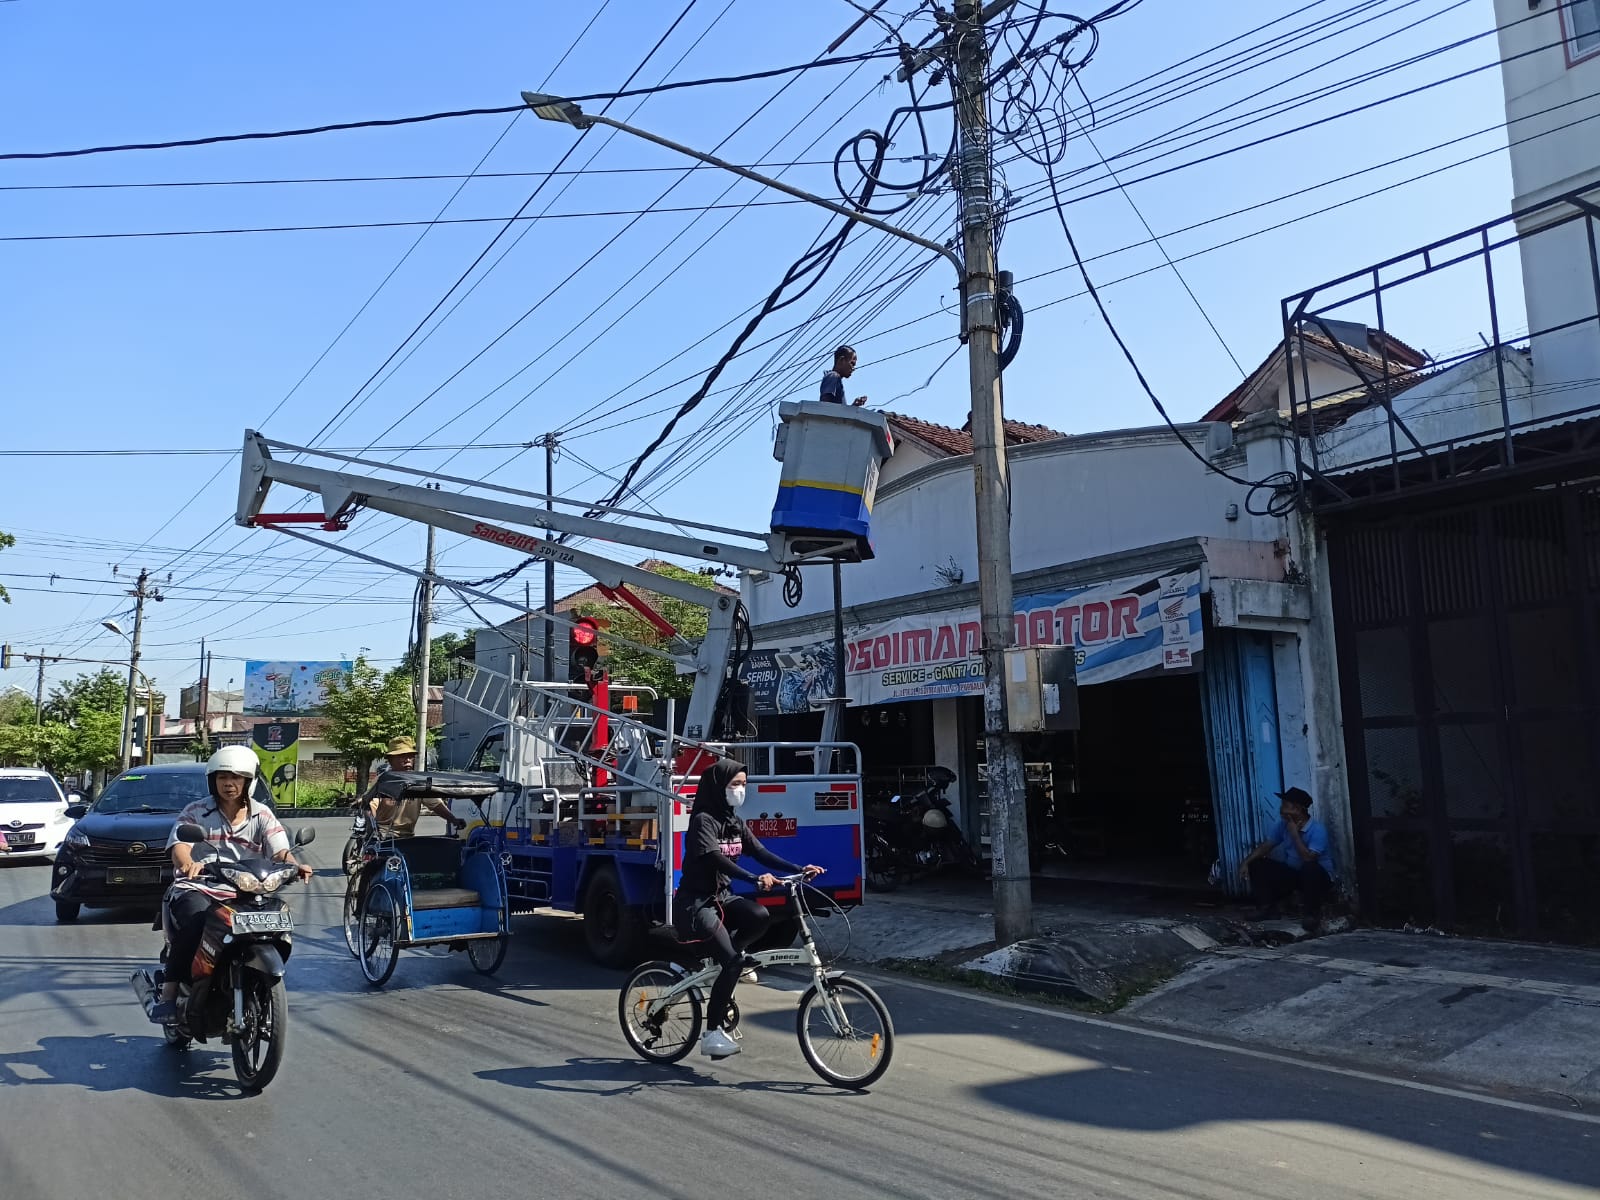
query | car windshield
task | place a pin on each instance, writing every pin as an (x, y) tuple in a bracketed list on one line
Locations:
[(28, 789), (161, 791)]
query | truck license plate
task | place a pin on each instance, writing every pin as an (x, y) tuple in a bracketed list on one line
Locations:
[(780, 827)]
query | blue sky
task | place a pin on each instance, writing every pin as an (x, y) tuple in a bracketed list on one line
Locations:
[(183, 342)]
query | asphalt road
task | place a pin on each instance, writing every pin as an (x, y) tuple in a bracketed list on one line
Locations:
[(446, 1085)]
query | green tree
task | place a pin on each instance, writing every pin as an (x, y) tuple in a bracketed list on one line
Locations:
[(628, 665), (102, 692), (367, 710), (451, 657), (19, 745), (95, 742), (16, 708), (6, 542)]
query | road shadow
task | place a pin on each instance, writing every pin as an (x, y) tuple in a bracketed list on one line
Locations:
[(624, 1076), (111, 1062)]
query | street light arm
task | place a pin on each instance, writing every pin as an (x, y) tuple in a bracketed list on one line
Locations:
[(582, 120)]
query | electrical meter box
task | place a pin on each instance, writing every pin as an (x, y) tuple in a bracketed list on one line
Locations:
[(1042, 689), (831, 455)]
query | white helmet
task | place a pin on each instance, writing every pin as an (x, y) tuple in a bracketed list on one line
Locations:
[(232, 760)]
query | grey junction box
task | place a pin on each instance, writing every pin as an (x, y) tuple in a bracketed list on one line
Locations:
[(1042, 689)]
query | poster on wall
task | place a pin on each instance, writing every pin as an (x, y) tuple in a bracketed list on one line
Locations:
[(277, 746), (1120, 629), (290, 688)]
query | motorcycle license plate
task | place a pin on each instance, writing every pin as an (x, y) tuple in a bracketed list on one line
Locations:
[(261, 922)]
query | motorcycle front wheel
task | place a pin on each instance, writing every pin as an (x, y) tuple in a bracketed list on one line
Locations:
[(258, 1046)]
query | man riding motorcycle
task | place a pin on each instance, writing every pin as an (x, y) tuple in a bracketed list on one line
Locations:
[(237, 828)]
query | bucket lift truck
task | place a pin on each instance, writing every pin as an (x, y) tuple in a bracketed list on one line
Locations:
[(593, 803)]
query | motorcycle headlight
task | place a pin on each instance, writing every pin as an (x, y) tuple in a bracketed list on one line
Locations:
[(76, 837), (248, 881)]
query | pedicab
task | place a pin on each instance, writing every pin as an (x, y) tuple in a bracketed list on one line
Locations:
[(409, 892)]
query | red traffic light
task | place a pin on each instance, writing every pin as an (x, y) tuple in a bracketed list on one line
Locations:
[(585, 632)]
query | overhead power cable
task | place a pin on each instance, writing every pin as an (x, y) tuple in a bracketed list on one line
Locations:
[(452, 114)]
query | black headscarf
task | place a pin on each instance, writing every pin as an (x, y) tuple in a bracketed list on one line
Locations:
[(711, 794)]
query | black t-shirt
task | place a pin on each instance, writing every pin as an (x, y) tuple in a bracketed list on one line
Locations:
[(710, 850), (833, 387)]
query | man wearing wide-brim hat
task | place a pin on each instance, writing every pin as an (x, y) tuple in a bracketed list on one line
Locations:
[(386, 798)]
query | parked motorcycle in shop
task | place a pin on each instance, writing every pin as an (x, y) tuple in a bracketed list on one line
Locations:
[(916, 835)]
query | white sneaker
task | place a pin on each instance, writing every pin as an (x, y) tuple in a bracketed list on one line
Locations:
[(717, 1044), (748, 975)]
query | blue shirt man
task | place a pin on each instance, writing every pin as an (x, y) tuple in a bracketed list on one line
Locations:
[(1294, 859), (844, 365)]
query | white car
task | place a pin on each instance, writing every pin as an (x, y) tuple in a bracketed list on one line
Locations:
[(33, 813)]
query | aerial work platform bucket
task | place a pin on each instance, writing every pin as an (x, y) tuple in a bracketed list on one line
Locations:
[(831, 456)]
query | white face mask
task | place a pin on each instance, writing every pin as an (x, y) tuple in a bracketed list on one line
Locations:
[(736, 796)]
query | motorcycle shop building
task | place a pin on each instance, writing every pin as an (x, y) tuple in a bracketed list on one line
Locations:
[(1201, 644)]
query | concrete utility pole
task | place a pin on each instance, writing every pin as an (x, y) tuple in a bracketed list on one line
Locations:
[(551, 444), (1008, 819), (964, 30), (38, 691), (142, 591), (424, 654)]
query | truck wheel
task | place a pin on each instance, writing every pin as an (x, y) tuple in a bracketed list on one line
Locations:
[(67, 910), (780, 934), (613, 928)]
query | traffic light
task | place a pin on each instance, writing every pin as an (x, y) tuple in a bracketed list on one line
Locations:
[(583, 653), (5, 658)]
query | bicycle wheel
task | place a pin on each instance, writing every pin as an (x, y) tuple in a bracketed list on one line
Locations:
[(487, 954), (352, 854), (671, 1033), (380, 920), (352, 916), (845, 1032)]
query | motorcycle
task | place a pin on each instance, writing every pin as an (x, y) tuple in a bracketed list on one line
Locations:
[(238, 993), (361, 828), (917, 835)]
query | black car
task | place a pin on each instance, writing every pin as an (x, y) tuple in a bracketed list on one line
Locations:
[(116, 854)]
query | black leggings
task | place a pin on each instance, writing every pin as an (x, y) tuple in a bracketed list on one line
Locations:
[(186, 919), (728, 927)]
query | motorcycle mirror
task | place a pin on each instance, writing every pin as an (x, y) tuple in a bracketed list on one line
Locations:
[(192, 834), (304, 836)]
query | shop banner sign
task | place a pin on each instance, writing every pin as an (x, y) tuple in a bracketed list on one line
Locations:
[(1120, 629), (277, 746)]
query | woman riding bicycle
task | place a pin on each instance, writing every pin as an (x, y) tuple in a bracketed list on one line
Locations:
[(704, 908)]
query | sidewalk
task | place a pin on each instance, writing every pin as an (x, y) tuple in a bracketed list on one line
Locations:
[(1492, 1014)]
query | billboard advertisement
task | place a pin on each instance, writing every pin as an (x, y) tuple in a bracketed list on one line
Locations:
[(1123, 628), (277, 746), (298, 689)]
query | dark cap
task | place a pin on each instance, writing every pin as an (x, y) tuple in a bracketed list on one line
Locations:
[(843, 350), (1296, 796)]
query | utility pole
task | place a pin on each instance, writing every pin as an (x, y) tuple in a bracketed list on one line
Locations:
[(141, 592), (38, 692), (965, 42), (202, 726), (1008, 821), (551, 444), (424, 654)]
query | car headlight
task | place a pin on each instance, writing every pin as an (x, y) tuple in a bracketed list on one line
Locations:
[(247, 881), (76, 837)]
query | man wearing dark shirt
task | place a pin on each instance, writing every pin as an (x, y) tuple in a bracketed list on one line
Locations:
[(844, 366)]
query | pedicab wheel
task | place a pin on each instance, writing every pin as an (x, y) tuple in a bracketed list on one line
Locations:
[(845, 1033), (352, 855), (487, 955), (258, 1050), (380, 918), (352, 916), (669, 1036)]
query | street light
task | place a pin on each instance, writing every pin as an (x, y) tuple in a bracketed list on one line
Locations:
[(114, 627)]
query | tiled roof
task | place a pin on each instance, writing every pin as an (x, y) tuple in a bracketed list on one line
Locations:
[(951, 441), (1403, 362)]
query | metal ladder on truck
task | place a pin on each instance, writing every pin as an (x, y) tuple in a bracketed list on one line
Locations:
[(596, 828)]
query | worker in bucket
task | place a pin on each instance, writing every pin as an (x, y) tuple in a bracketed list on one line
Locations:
[(844, 366), (704, 909)]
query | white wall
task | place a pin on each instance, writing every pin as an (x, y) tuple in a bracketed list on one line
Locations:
[(1073, 499), (1539, 74)]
